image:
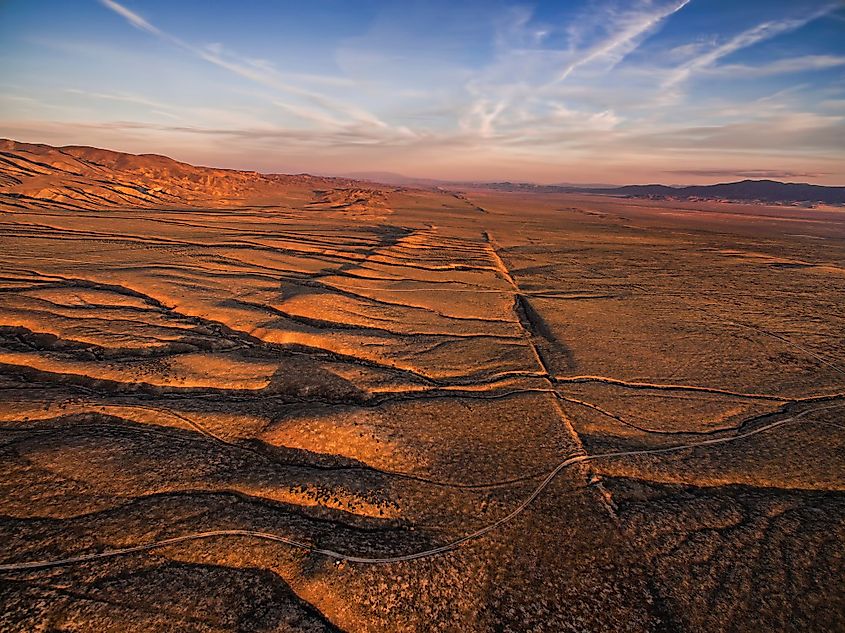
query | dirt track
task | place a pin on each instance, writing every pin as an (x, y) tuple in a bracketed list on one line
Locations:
[(578, 459)]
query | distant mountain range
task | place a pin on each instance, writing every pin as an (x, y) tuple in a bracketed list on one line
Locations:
[(394, 179), (770, 191), (401, 180), (747, 190)]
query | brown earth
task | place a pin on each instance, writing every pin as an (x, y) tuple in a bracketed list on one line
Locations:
[(226, 359)]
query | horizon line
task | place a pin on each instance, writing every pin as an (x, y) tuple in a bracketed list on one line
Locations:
[(369, 175)]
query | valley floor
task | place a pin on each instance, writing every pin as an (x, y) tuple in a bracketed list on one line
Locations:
[(423, 411)]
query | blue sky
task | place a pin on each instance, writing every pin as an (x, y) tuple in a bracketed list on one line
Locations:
[(677, 91)]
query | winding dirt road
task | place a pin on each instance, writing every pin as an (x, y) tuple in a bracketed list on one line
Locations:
[(576, 459)]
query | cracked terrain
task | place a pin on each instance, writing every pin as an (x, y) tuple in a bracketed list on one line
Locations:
[(237, 402)]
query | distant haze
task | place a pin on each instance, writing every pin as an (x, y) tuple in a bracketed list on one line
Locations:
[(598, 91)]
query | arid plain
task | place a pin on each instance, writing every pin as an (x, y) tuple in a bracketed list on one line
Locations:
[(236, 402)]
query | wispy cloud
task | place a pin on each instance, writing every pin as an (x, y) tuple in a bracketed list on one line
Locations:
[(627, 29), (123, 97), (133, 18), (258, 71), (523, 84), (789, 65), (760, 33), (267, 77)]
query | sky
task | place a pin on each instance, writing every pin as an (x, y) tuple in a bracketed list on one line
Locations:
[(581, 91)]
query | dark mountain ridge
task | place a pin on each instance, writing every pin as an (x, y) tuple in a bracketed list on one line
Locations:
[(771, 191)]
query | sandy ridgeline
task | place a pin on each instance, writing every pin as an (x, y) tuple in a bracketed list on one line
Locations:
[(240, 402)]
